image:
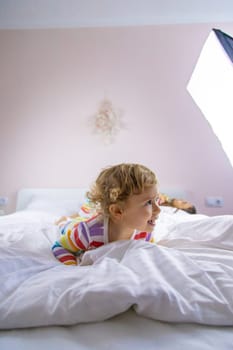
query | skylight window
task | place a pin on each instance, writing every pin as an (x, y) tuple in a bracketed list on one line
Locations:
[(211, 86)]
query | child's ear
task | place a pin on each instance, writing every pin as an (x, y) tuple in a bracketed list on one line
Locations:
[(115, 211)]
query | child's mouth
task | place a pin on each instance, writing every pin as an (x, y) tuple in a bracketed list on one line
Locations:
[(151, 222)]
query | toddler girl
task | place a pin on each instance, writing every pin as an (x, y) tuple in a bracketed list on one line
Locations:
[(123, 205)]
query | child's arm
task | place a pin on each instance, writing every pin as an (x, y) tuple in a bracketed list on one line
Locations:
[(85, 211), (71, 241)]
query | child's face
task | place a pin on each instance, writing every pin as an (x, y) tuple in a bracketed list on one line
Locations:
[(141, 210)]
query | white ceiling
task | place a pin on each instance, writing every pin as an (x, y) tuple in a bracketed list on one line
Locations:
[(95, 13)]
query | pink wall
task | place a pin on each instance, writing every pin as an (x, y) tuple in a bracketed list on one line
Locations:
[(52, 82)]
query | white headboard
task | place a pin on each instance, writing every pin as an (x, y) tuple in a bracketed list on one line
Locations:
[(25, 195)]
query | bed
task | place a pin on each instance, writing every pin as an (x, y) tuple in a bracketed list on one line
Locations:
[(171, 295)]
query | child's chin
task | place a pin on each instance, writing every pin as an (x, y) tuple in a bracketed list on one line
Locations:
[(151, 226)]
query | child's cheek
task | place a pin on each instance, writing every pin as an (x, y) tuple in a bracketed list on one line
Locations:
[(149, 210)]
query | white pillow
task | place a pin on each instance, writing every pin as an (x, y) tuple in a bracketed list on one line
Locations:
[(172, 210), (55, 206)]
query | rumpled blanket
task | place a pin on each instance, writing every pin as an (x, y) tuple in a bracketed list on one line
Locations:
[(187, 276)]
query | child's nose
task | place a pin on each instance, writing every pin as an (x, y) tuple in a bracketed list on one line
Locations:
[(156, 209)]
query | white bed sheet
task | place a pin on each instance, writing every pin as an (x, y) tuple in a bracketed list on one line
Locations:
[(123, 332), (127, 330)]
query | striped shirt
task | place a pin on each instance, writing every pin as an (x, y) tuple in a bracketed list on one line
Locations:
[(81, 234)]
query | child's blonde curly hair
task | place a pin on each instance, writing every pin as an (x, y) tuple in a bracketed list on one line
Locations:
[(116, 183)]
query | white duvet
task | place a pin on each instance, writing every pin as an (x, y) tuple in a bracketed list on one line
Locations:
[(186, 277)]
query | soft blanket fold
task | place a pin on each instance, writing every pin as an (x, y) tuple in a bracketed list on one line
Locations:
[(184, 278)]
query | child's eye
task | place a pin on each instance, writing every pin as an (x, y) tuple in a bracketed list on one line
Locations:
[(151, 201)]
